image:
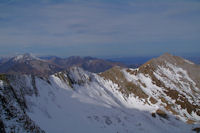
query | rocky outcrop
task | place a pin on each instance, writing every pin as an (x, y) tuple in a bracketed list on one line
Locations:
[(13, 117)]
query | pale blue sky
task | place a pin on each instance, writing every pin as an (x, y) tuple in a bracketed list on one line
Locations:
[(102, 28)]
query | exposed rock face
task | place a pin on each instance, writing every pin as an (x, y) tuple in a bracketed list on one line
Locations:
[(13, 116)]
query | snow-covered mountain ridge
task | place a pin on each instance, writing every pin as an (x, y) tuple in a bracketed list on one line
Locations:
[(170, 82), (147, 99)]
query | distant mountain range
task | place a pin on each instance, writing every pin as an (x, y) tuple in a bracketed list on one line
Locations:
[(30, 64), (87, 63)]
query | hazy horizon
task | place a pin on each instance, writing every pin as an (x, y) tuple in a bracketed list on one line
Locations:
[(136, 58)]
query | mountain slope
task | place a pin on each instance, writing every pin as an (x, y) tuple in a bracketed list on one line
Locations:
[(118, 100), (170, 82), (13, 116)]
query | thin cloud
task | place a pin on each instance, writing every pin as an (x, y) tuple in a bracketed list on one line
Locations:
[(99, 23)]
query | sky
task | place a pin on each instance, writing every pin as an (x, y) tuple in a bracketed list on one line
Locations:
[(100, 28)]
